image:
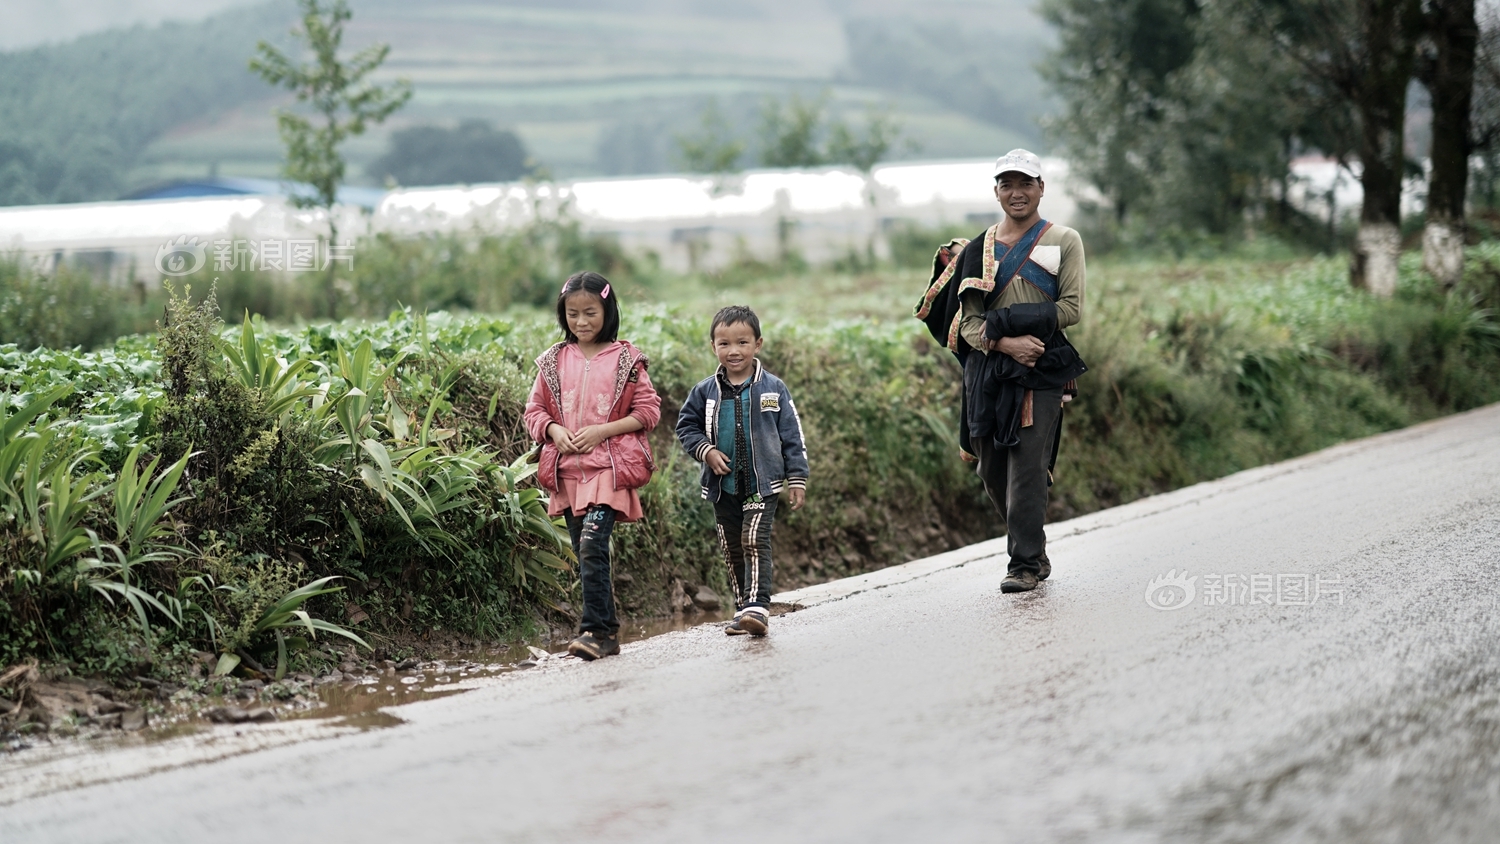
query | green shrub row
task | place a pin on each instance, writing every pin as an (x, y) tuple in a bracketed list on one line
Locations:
[(1201, 370)]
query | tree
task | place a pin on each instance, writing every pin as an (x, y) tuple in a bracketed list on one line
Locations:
[(864, 150), (432, 155), (798, 133), (1363, 51), (713, 148), (344, 103), (1192, 111), (1113, 68), (76, 117), (789, 132), (1181, 121), (1446, 66), (1484, 116)]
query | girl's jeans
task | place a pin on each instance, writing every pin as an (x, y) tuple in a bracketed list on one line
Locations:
[(745, 539), (590, 534)]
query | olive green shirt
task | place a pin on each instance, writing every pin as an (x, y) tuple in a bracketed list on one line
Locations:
[(1069, 270)]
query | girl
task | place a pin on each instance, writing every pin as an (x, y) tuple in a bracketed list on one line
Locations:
[(591, 407)]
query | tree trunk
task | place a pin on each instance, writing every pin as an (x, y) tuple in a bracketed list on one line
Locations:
[(1388, 29), (1377, 256), (1448, 73), (330, 275)]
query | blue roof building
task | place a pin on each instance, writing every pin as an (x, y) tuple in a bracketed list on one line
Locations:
[(367, 198)]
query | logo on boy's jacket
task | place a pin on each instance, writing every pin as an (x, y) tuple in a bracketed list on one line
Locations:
[(769, 403)]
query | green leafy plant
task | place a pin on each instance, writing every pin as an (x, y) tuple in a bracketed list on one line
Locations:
[(142, 499), (364, 378), (287, 614), (544, 550), (261, 369)]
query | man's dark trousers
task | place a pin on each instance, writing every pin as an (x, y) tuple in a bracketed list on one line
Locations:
[(1016, 480)]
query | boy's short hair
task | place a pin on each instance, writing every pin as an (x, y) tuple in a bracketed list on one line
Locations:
[(733, 314)]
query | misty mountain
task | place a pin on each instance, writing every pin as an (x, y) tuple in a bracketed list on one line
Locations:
[(588, 86)]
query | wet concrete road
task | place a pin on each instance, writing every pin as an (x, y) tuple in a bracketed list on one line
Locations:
[(942, 710)]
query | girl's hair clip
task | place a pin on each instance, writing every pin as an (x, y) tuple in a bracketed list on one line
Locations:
[(604, 294)]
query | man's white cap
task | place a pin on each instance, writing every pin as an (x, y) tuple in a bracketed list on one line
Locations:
[(1019, 161)]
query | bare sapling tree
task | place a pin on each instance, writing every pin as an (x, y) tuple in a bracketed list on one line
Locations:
[(344, 103)]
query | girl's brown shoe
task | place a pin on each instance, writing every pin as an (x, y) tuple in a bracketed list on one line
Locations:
[(591, 646)]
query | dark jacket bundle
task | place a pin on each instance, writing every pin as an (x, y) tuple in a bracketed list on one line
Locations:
[(995, 385)]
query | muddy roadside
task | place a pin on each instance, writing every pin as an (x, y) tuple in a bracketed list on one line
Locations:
[(47, 705)]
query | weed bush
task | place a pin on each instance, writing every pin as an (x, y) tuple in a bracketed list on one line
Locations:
[(69, 307)]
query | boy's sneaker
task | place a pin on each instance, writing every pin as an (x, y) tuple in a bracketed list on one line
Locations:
[(591, 646), (1018, 581), (753, 621)]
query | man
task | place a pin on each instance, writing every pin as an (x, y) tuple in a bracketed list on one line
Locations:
[(1022, 272)]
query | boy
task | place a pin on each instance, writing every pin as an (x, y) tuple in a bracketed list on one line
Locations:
[(740, 423)]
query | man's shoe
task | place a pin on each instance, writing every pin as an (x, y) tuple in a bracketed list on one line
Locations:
[(591, 646), (1044, 570), (1018, 581), (734, 629), (754, 622)]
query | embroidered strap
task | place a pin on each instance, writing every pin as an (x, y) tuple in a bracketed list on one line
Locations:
[(942, 277), (986, 280), (1000, 267)]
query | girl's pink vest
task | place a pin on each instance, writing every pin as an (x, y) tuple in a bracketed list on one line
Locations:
[(629, 454)]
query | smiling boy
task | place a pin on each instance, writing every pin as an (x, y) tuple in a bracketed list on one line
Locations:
[(741, 424)]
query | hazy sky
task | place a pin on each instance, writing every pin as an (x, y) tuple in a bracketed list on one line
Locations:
[(27, 23)]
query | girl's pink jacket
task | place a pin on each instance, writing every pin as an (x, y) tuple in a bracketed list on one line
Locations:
[(629, 394)]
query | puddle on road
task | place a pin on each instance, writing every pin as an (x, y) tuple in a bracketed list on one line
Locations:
[(358, 703)]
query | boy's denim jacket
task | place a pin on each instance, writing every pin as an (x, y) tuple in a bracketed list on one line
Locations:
[(775, 434)]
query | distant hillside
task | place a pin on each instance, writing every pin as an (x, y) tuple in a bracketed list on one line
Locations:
[(75, 118), (591, 86)]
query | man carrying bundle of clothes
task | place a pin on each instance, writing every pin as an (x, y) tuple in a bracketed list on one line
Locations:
[(1000, 303)]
